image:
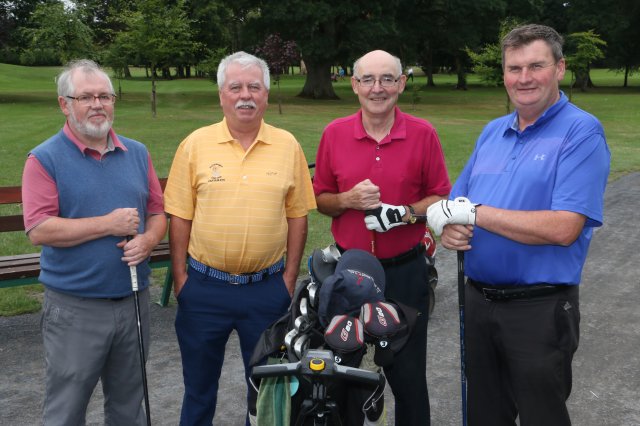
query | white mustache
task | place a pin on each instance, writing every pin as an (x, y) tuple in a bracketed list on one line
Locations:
[(241, 104)]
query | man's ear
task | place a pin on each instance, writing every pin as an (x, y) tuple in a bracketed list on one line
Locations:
[(64, 105), (402, 83), (354, 84)]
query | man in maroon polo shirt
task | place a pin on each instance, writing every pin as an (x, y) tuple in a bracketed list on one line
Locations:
[(375, 171)]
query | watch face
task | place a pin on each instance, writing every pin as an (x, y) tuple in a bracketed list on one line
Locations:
[(412, 219)]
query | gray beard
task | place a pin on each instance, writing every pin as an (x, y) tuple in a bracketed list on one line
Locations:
[(89, 129)]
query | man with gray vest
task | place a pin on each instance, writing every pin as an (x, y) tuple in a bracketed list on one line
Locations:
[(84, 191)]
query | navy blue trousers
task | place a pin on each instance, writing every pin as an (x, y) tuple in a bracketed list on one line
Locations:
[(208, 311)]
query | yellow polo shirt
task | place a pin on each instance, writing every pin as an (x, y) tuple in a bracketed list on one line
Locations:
[(238, 201)]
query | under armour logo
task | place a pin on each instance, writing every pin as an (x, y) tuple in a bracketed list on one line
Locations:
[(567, 306), (539, 157)]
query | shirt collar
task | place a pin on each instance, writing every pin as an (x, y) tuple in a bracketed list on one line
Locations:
[(113, 141), (547, 115), (264, 133), (398, 130)]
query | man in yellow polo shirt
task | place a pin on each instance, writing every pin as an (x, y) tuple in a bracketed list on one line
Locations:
[(238, 193)]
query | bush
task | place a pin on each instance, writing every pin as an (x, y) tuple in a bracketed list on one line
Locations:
[(35, 57)]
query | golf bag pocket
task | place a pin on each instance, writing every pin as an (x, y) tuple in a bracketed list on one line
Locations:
[(345, 337)]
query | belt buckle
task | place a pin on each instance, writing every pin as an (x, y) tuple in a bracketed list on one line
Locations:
[(235, 279), (489, 296)]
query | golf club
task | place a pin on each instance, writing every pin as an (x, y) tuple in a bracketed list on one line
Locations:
[(134, 287), (463, 375)]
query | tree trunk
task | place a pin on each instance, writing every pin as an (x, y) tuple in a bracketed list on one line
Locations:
[(318, 85), (153, 91), (462, 76), (127, 72), (626, 76)]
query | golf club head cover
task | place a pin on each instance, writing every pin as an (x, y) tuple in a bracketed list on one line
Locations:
[(381, 321), (345, 337)]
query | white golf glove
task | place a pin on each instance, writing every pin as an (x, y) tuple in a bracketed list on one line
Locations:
[(460, 211), (384, 217)]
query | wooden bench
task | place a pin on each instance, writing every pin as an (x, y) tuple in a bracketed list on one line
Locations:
[(23, 269)]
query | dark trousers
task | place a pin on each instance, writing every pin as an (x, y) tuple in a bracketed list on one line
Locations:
[(407, 284), (519, 355), (208, 311)]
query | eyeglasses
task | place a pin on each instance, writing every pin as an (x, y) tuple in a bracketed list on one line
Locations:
[(534, 68), (385, 81), (86, 100)]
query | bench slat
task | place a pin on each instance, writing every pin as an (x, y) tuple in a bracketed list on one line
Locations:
[(11, 223), (10, 195)]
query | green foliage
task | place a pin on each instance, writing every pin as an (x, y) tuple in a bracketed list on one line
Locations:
[(585, 48), (20, 300), (55, 35)]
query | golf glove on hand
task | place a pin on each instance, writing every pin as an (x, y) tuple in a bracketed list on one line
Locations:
[(460, 211), (384, 217)]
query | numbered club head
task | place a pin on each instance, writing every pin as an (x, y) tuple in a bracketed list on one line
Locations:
[(312, 288), (301, 345), (289, 338)]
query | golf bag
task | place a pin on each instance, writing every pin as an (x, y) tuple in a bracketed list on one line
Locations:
[(339, 309)]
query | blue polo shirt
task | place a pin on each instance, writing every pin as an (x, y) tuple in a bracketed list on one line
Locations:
[(561, 162)]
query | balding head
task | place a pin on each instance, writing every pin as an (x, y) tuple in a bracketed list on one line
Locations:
[(376, 58)]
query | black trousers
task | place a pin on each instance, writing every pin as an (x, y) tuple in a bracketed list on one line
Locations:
[(519, 355), (407, 284)]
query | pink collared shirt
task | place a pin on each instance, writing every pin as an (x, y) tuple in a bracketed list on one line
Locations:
[(41, 202)]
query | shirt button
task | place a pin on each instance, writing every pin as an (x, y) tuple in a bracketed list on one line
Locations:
[(244, 177), (377, 158)]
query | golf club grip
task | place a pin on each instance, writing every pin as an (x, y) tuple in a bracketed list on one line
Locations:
[(133, 271), (275, 370), (359, 375)]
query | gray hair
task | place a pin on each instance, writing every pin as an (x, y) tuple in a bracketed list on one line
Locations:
[(245, 60), (87, 66), (527, 34), (396, 60)]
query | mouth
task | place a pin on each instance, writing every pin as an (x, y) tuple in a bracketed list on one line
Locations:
[(246, 105)]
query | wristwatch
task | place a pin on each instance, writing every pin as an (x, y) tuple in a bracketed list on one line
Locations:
[(412, 215)]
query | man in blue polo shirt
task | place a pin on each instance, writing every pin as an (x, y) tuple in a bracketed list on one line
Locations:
[(534, 189)]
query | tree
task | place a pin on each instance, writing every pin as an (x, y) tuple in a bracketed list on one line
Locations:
[(328, 32), (586, 48), (279, 55), (56, 35), (157, 36), (487, 63)]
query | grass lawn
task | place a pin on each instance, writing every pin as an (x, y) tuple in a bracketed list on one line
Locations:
[(29, 114)]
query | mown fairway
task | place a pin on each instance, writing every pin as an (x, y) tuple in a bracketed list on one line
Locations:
[(29, 114)]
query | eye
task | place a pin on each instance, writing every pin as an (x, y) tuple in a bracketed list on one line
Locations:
[(85, 98), (536, 67), (234, 88), (255, 87), (387, 79), (366, 80), (515, 70), (104, 98)]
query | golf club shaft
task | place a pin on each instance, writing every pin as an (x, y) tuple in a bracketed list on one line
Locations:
[(143, 367), (134, 286), (461, 302)]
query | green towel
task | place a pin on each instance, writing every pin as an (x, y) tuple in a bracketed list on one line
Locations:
[(274, 400)]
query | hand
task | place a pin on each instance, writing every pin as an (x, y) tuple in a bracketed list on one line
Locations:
[(124, 221), (384, 217), (136, 249), (364, 196), (460, 211)]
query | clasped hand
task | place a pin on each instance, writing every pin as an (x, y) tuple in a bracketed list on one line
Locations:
[(460, 211)]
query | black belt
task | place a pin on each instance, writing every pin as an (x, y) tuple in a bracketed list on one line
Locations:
[(114, 299), (495, 293), (399, 259)]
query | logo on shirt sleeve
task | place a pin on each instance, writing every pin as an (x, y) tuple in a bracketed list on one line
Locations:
[(216, 173)]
